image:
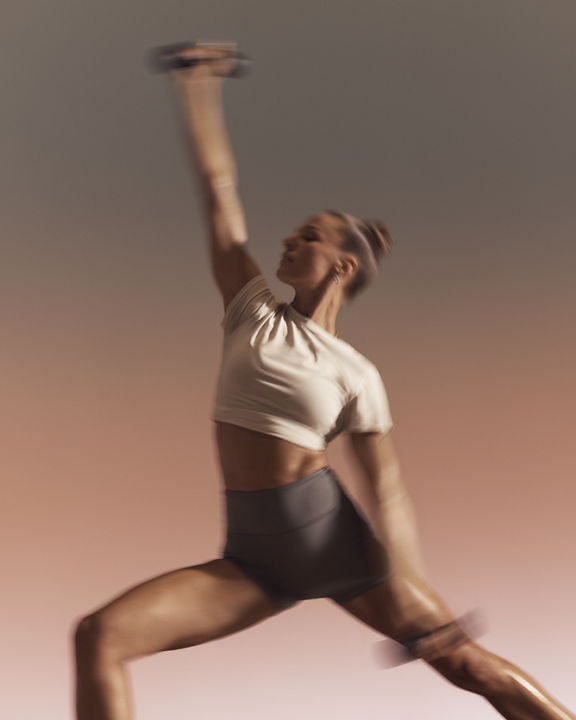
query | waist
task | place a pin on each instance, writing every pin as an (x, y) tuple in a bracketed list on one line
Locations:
[(272, 511), (252, 460)]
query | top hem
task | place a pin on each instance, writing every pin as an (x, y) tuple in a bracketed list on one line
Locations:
[(297, 437)]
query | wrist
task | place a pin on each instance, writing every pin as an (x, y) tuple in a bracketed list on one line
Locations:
[(196, 82)]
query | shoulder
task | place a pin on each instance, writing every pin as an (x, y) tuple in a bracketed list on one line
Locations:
[(368, 408), (252, 299), (363, 372)]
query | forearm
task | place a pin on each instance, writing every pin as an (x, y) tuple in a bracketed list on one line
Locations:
[(412, 602), (200, 101), (398, 532)]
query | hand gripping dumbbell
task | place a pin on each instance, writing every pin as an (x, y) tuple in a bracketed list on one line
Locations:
[(167, 57)]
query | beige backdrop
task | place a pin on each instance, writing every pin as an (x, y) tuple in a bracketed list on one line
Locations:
[(451, 121)]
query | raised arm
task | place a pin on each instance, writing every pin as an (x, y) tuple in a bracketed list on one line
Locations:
[(199, 95)]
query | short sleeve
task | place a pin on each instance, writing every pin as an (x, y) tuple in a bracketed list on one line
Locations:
[(247, 302), (369, 411)]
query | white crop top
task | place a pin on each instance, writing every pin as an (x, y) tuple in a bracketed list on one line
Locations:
[(284, 375)]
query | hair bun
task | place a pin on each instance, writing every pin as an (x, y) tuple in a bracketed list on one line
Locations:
[(379, 237)]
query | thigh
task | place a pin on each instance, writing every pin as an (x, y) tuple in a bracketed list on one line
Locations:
[(182, 608), (399, 607)]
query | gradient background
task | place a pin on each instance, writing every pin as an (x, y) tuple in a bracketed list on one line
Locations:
[(452, 121)]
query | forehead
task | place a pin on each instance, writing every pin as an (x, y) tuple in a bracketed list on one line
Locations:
[(328, 225)]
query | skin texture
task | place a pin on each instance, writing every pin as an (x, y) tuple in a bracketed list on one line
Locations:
[(194, 605)]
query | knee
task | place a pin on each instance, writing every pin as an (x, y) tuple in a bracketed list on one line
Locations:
[(473, 668), (96, 636)]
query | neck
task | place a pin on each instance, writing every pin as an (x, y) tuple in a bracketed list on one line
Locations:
[(320, 305)]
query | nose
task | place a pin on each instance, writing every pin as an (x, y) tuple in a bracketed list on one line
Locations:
[(290, 242)]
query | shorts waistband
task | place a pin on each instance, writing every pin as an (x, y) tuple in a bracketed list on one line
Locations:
[(283, 508), (282, 488)]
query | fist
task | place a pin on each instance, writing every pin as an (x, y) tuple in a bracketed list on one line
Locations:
[(208, 61), (201, 60)]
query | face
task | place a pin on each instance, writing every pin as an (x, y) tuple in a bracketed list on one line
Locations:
[(313, 253)]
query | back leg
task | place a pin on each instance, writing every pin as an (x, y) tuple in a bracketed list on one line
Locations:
[(180, 609), (398, 609)]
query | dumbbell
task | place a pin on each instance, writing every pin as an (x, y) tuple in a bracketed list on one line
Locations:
[(167, 57), (390, 653)]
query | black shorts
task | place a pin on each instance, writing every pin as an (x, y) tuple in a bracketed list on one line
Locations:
[(302, 540)]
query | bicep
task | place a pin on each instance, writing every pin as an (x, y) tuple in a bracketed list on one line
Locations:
[(232, 270), (232, 265)]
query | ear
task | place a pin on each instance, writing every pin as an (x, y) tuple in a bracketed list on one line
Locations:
[(349, 265)]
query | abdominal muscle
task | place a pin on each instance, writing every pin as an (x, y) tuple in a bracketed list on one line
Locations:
[(254, 461)]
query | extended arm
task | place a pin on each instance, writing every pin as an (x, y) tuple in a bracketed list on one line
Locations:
[(412, 607), (199, 95), (396, 522)]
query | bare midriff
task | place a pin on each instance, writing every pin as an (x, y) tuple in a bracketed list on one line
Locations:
[(254, 461)]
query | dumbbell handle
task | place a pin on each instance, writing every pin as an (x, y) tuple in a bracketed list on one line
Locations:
[(167, 57)]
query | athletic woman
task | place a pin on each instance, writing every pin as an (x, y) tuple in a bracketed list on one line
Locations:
[(287, 386)]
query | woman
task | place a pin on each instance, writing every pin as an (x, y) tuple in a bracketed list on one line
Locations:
[(287, 386)]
